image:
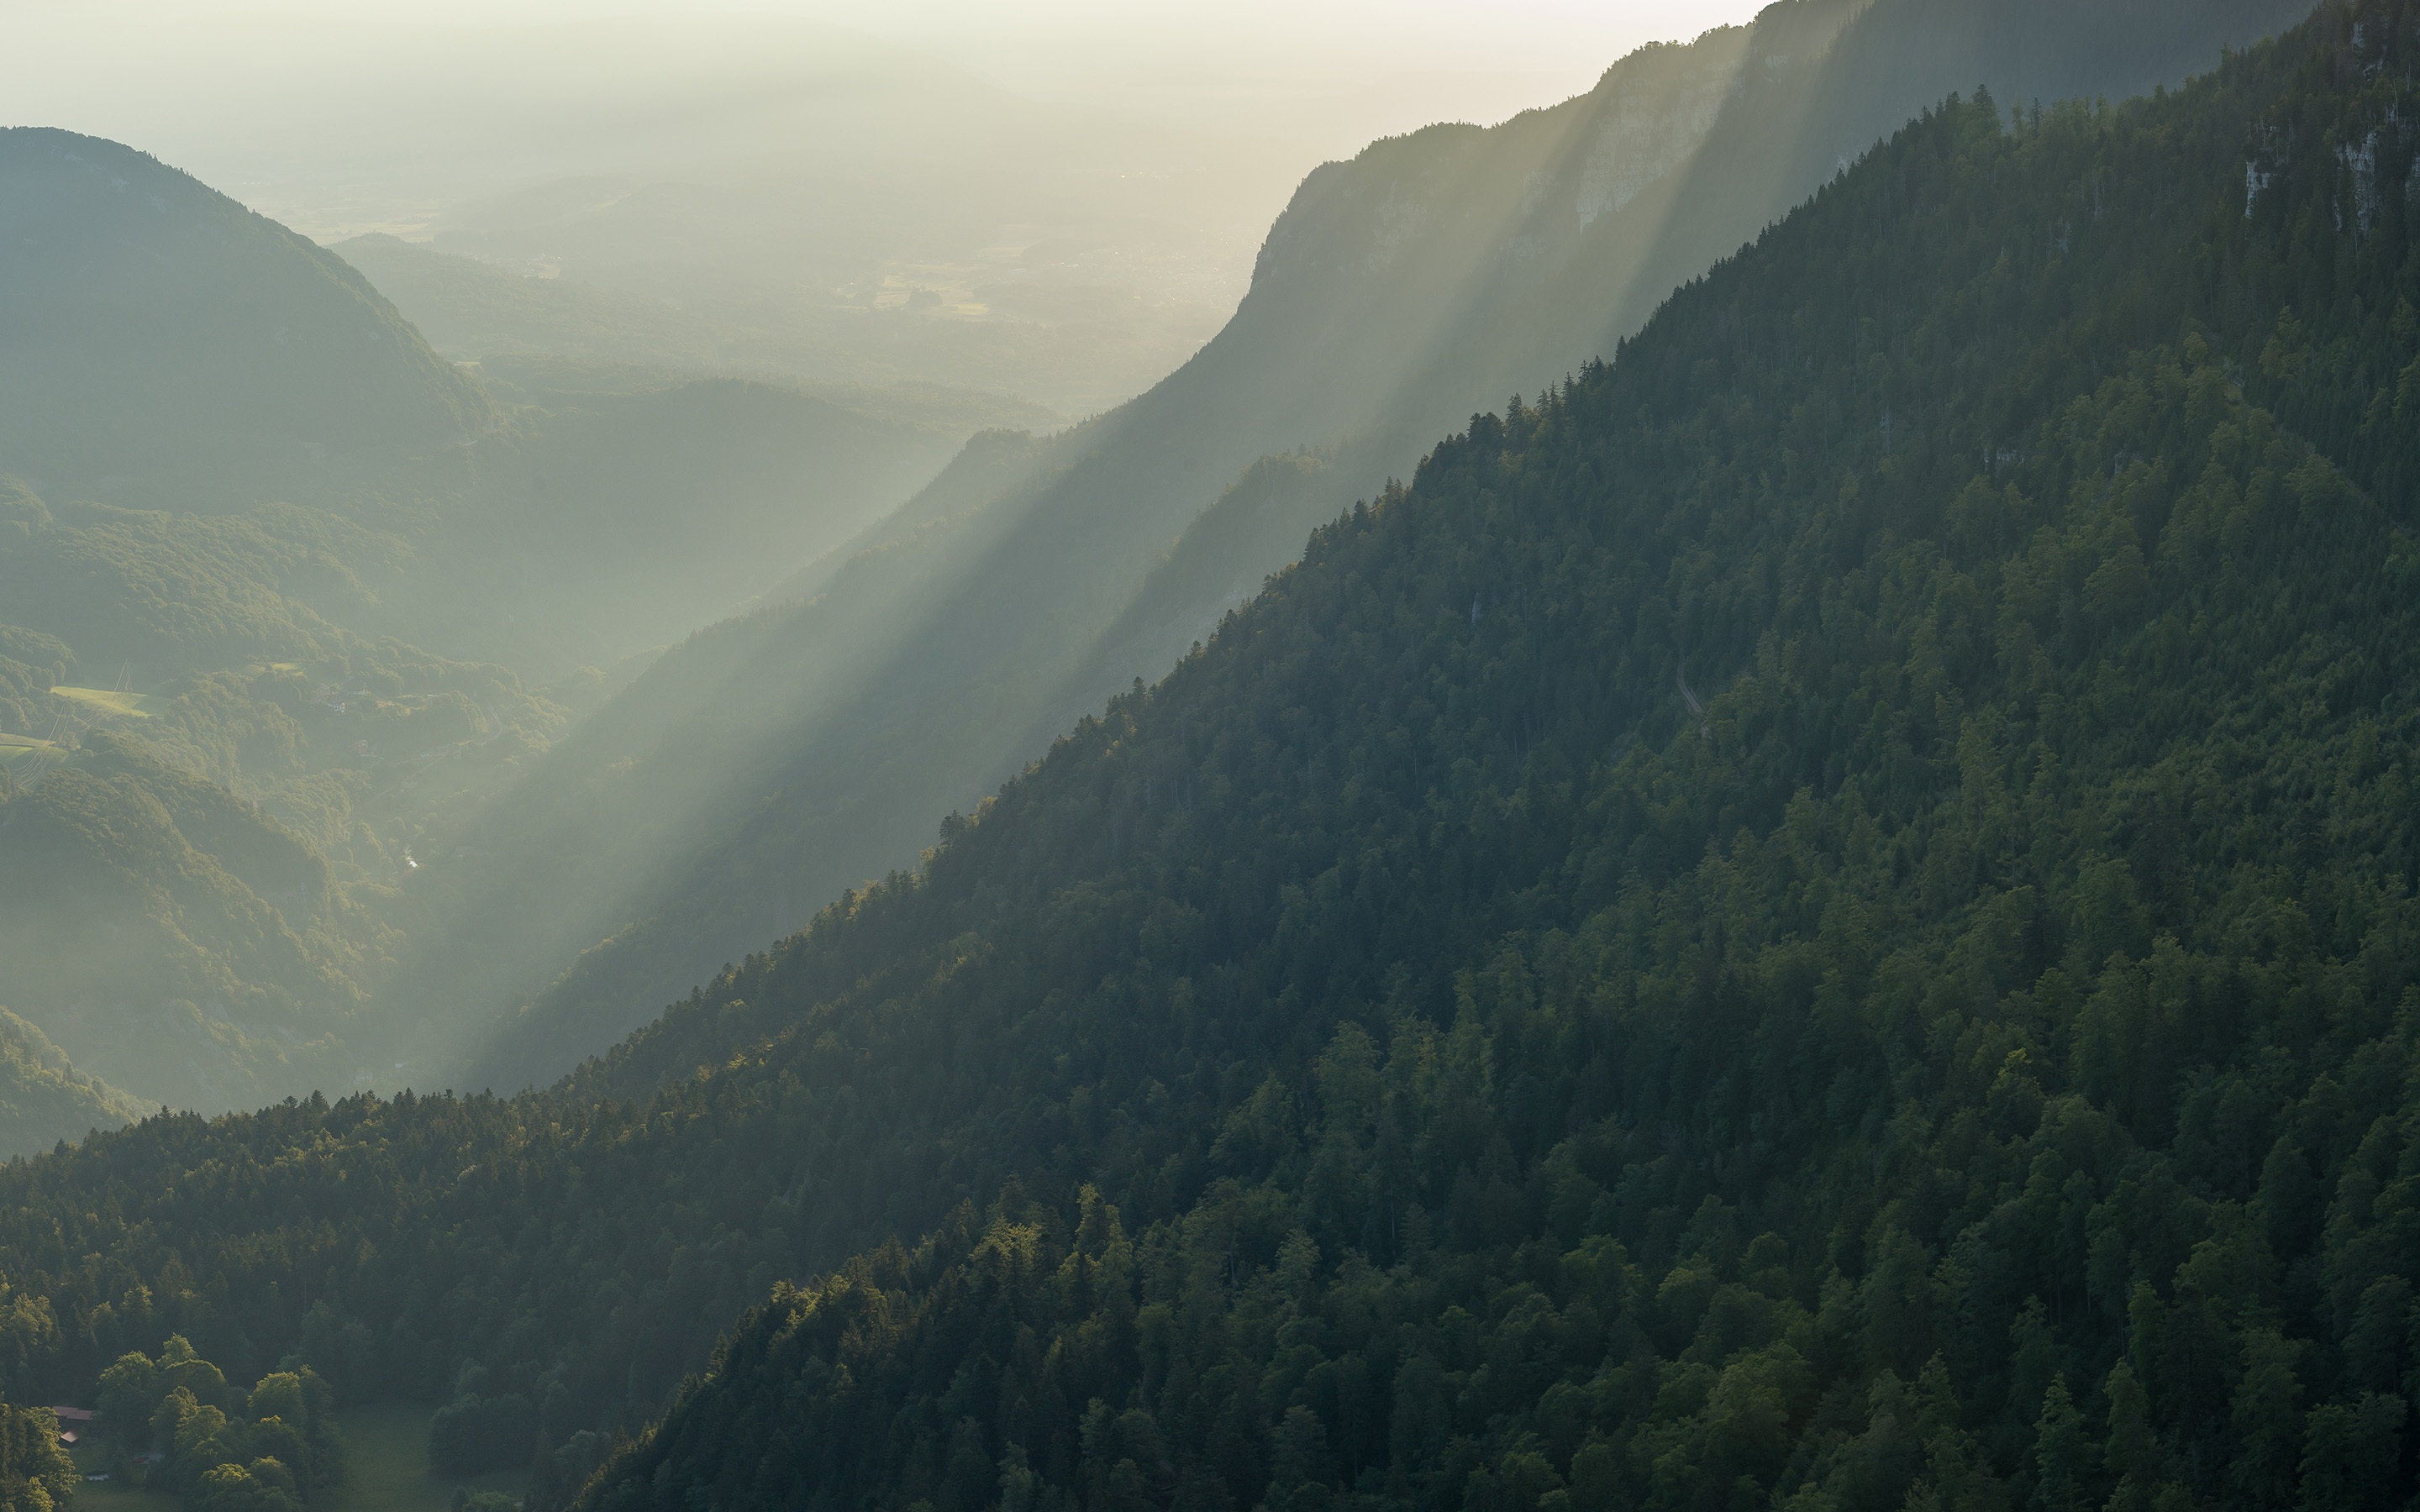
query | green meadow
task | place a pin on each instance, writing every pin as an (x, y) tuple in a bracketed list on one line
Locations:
[(386, 1469), (103, 701)]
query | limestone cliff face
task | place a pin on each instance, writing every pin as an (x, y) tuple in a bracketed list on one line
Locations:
[(1652, 113), (1432, 206)]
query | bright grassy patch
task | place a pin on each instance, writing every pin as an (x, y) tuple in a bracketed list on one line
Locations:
[(386, 1463), (103, 700), (111, 1495)]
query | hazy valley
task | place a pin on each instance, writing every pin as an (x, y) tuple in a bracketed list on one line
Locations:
[(1702, 800)]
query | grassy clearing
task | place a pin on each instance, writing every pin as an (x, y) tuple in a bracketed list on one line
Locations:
[(386, 1463), (386, 1469), (101, 701), (110, 1495)]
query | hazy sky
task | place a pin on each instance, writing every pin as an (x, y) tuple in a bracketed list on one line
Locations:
[(1344, 70), (1481, 57), (338, 117)]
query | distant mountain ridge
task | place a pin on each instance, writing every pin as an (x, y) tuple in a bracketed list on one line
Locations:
[(303, 560), (474, 309), (1626, 192), (1399, 292), (1822, 918), (151, 321)]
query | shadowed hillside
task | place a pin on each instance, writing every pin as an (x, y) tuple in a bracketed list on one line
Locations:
[(1398, 293), (1824, 916), (170, 937)]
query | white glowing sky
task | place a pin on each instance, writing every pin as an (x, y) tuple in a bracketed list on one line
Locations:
[(1338, 70)]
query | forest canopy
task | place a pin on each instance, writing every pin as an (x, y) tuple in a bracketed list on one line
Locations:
[(1820, 915)]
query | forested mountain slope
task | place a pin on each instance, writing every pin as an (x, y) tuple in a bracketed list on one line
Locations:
[(1603, 232), (43, 1099), (172, 938), (1396, 294), (1823, 915), (1969, 1064), (153, 323), (1610, 220)]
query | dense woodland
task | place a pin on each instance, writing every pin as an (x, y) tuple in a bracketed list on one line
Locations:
[(271, 1449), (1397, 292), (35, 1475), (1822, 916)]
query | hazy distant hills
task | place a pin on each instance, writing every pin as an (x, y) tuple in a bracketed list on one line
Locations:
[(1417, 283), (168, 349), (149, 319), (614, 521), (1071, 345), (471, 309), (835, 207), (549, 341), (1821, 917), (277, 580)]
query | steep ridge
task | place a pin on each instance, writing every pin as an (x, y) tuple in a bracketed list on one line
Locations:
[(153, 322), (992, 465), (1399, 292), (1616, 215), (1408, 1057), (927, 706), (1618, 1236)]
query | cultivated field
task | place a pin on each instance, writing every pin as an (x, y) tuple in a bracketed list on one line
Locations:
[(101, 701)]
